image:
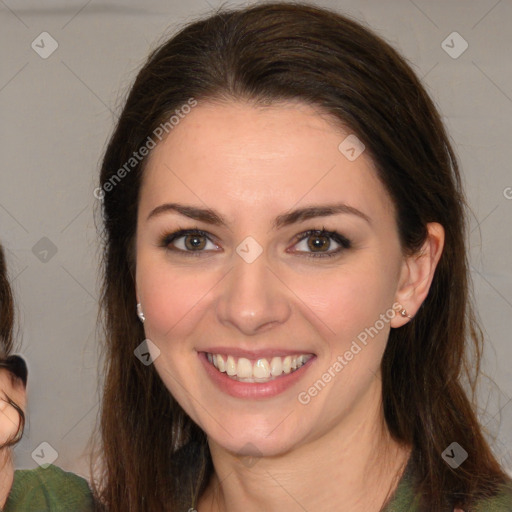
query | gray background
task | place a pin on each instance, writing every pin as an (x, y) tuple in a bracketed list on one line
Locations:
[(56, 115)]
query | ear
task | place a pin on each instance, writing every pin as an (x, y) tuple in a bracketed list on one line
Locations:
[(417, 273)]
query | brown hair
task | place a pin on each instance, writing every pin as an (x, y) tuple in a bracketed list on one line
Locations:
[(14, 364), (155, 457)]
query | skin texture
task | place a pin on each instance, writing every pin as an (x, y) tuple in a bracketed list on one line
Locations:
[(251, 164), (9, 422)]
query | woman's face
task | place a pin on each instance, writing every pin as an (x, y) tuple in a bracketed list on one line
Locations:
[(12, 388), (249, 289)]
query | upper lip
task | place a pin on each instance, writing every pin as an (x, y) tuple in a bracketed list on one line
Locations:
[(255, 354)]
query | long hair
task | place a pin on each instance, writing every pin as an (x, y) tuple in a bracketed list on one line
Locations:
[(14, 364), (154, 456)]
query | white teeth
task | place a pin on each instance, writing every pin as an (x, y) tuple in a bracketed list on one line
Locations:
[(259, 371), (220, 363), (276, 366), (230, 366), (244, 368)]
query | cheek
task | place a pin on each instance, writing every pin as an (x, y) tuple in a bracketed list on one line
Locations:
[(171, 297), (165, 303), (349, 298)]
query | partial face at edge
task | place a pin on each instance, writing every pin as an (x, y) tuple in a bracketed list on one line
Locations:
[(280, 292)]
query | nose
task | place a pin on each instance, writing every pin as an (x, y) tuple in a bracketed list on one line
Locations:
[(252, 299)]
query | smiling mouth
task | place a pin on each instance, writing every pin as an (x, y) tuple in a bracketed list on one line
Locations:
[(259, 370)]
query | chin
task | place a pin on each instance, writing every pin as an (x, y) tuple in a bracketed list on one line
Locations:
[(262, 437)]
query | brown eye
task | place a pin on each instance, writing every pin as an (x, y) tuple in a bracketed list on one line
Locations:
[(189, 242), (319, 243), (195, 242)]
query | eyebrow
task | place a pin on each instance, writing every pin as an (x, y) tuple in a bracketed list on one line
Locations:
[(210, 216)]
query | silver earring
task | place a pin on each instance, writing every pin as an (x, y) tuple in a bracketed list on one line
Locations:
[(404, 313), (140, 313)]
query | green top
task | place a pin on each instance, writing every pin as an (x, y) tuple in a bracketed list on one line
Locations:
[(54, 490), (48, 490), (404, 500)]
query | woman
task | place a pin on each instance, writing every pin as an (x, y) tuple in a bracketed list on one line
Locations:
[(13, 379), (44, 488), (286, 282)]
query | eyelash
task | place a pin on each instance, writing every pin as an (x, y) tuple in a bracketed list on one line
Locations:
[(345, 243)]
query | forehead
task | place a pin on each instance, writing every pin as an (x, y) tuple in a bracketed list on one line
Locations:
[(237, 156)]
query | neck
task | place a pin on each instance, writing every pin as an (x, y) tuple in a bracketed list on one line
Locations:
[(353, 467), (7, 473)]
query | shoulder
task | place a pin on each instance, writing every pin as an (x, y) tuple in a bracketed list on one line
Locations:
[(501, 502), (48, 488)]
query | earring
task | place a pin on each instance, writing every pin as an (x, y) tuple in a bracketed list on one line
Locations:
[(140, 313), (404, 313)]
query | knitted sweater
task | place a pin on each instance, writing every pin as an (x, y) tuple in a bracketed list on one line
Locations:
[(405, 500), (48, 490), (53, 490)]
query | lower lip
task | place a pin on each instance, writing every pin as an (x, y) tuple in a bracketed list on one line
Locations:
[(254, 390)]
